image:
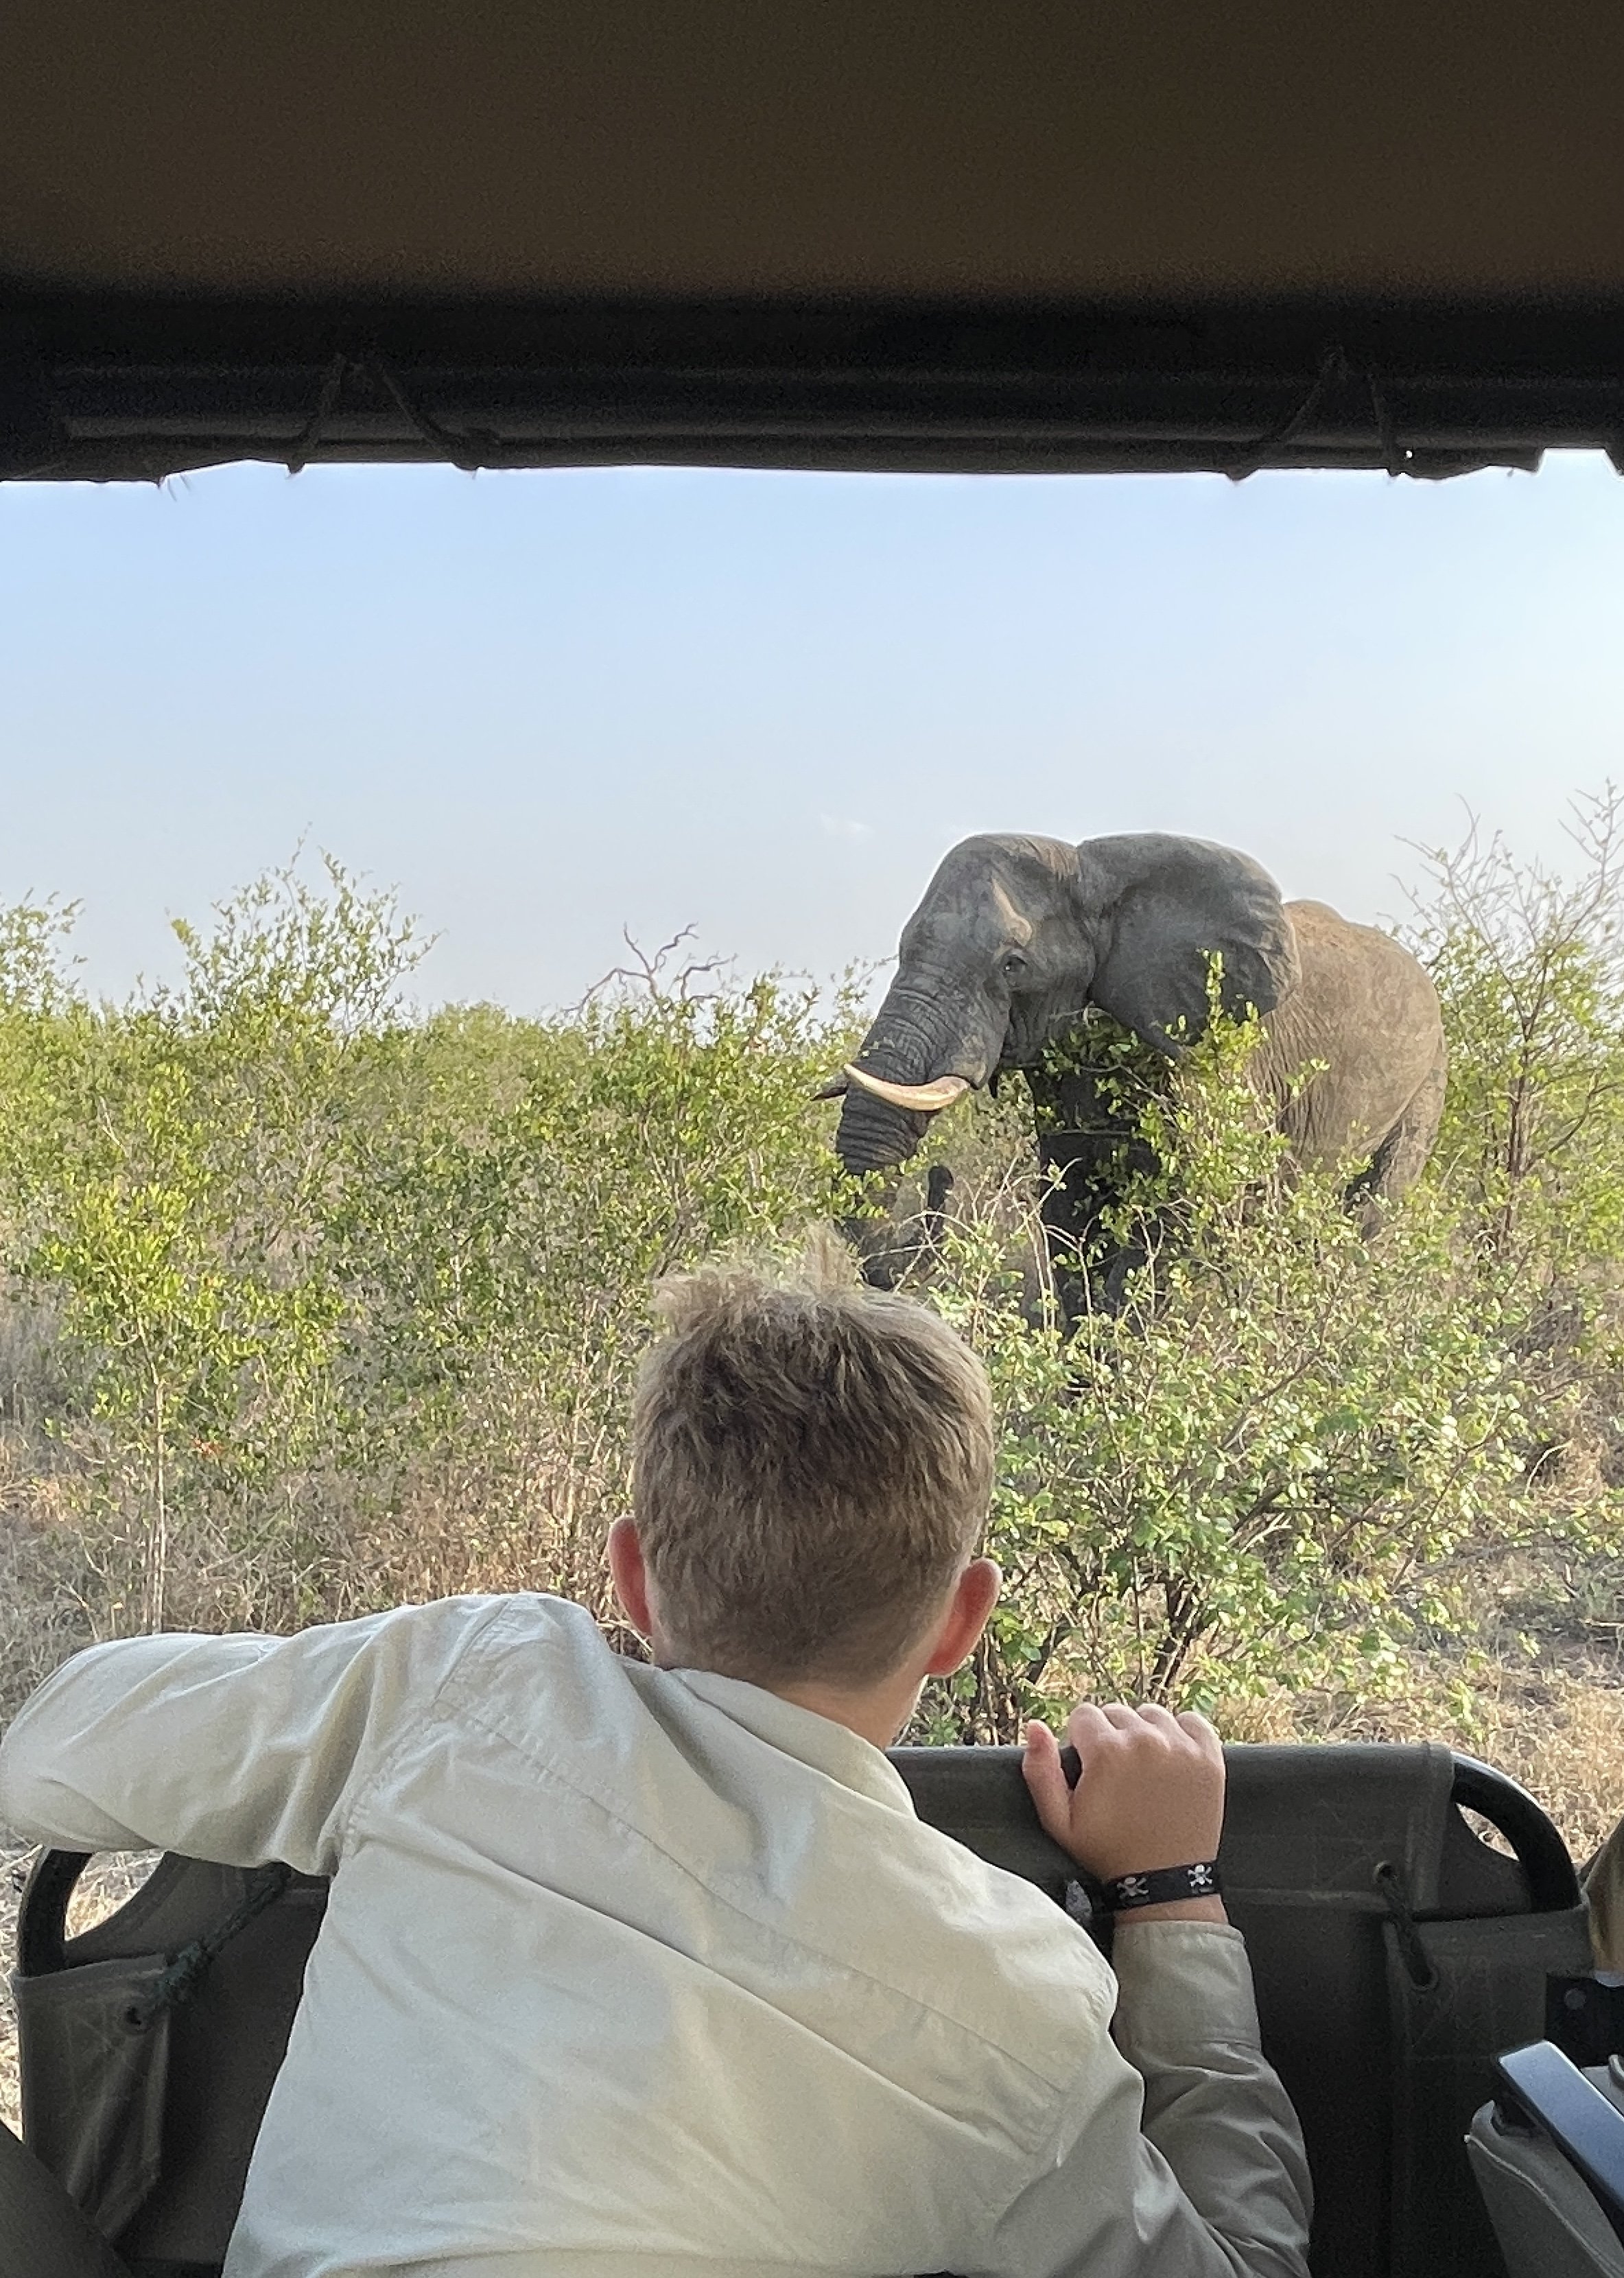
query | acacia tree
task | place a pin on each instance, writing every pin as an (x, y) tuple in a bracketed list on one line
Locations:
[(1530, 966), (168, 1163)]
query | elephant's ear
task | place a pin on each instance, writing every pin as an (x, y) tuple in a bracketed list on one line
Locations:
[(1161, 908)]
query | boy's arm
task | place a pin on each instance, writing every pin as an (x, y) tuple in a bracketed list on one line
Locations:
[(1186, 2022), (1181, 2157), (1210, 2180), (241, 1748)]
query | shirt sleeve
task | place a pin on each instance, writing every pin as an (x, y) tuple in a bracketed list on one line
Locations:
[(240, 1749), (1180, 2156)]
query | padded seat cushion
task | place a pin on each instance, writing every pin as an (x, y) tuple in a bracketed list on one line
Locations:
[(1544, 2215)]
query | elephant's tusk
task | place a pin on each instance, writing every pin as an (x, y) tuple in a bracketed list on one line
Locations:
[(921, 1098), (836, 1087)]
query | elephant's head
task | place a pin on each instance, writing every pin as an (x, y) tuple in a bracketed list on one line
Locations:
[(1017, 937)]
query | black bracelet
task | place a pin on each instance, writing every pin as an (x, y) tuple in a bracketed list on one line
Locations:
[(1161, 1885)]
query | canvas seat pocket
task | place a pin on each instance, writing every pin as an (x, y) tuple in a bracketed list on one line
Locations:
[(95, 2046)]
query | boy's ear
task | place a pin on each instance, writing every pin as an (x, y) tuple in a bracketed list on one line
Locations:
[(629, 1575), (974, 1595)]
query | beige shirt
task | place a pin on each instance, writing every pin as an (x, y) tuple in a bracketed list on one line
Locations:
[(633, 1973)]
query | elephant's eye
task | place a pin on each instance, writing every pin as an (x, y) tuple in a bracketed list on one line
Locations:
[(1014, 966)]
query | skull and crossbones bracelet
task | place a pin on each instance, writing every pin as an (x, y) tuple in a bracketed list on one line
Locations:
[(1159, 1886)]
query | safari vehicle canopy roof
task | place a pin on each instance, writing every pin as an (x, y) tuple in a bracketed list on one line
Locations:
[(903, 234)]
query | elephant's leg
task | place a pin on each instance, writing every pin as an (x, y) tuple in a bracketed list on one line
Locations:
[(1418, 1130), (1083, 1176), (889, 1246), (1402, 1156), (938, 1196), (875, 1235), (880, 1259)]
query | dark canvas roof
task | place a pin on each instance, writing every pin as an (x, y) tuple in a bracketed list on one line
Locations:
[(840, 233)]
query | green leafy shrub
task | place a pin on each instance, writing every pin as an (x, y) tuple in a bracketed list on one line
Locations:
[(1256, 1470), (346, 1300)]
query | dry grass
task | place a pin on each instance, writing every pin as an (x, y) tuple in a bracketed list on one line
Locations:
[(43, 1602), (13, 1866)]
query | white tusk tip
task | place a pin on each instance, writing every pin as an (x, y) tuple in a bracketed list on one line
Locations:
[(916, 1098)]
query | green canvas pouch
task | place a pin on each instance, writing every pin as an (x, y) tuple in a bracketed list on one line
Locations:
[(95, 2044), (1460, 1994)]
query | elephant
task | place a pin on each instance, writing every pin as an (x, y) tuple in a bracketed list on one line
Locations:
[(1020, 941)]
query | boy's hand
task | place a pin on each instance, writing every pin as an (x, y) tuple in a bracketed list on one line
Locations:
[(1151, 1795)]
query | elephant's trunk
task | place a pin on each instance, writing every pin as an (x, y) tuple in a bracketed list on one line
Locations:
[(872, 1135), (904, 1050)]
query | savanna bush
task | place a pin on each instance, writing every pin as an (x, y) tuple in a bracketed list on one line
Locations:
[(345, 1299), (314, 1300)]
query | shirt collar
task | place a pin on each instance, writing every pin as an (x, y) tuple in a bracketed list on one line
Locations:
[(829, 1747)]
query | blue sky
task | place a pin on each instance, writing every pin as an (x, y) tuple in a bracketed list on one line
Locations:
[(548, 706)]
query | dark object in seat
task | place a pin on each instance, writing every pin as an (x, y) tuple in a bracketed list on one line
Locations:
[(1586, 2020), (1548, 2155), (1395, 1956)]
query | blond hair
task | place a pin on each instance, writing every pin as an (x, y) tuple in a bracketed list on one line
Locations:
[(812, 1463)]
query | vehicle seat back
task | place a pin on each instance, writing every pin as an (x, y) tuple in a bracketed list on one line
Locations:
[(148, 2045), (1395, 1955)]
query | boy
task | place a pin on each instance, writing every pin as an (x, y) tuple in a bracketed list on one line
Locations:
[(631, 1971)]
